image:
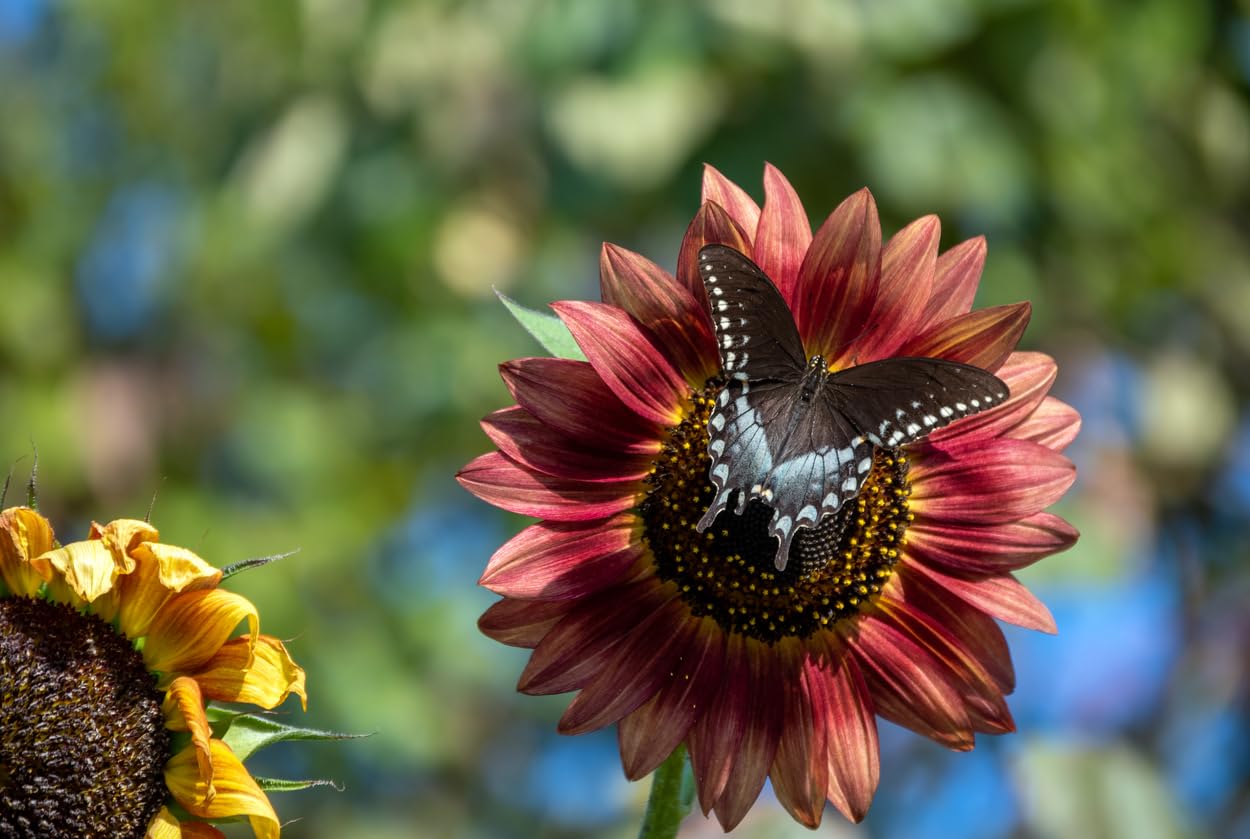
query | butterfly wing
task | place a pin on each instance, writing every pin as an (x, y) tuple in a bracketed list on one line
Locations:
[(897, 401), (755, 331), (762, 358)]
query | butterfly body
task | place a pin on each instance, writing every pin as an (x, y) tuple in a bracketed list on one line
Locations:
[(792, 434)]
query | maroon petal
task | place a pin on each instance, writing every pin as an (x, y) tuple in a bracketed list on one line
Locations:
[(990, 549), (564, 560), (1054, 425), (906, 275), (837, 287), (716, 737), (497, 479), (522, 437), (999, 481), (712, 225), (975, 631), (955, 281), (984, 338), (521, 623), (758, 746), (648, 736), (569, 396), (908, 685), (1028, 376), (784, 233), (636, 670), (623, 355), (957, 665), (678, 319), (854, 758), (580, 646), (741, 207), (1002, 596), (800, 772)]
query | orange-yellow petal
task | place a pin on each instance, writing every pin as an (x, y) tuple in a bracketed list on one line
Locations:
[(24, 537), (236, 793), (191, 627), (121, 536), (200, 830), (161, 571), (263, 674), (88, 568), (184, 711), (164, 825)]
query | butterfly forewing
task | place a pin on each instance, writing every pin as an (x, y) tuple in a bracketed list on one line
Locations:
[(787, 433), (755, 332)]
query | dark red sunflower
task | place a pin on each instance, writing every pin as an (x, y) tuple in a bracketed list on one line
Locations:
[(696, 638)]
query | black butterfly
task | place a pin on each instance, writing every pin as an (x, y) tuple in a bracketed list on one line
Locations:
[(791, 434)]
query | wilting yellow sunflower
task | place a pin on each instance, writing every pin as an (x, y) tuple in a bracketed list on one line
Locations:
[(110, 649), (684, 636)]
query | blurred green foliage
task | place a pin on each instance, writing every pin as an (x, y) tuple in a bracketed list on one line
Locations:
[(247, 253)]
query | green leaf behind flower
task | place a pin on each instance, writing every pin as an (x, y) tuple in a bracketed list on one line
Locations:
[(546, 328), (246, 734)]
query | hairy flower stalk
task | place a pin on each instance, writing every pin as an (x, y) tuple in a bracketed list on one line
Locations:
[(885, 609)]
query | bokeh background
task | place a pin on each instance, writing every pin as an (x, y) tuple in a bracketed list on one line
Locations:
[(246, 259)]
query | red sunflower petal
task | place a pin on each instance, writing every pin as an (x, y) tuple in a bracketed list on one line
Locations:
[(712, 225), (714, 740), (783, 234), (906, 275), (907, 684), (497, 479), (990, 549), (648, 736), (984, 338), (955, 280), (625, 357), (1028, 376), (1002, 596), (564, 560), (854, 754), (1054, 425), (971, 678), (522, 623), (527, 440), (678, 318), (638, 667), (998, 481), (580, 646), (737, 203), (569, 396), (837, 287), (800, 772), (758, 746), (975, 631)]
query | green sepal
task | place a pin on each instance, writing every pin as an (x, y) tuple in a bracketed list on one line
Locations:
[(246, 734), (546, 328), (284, 785), (248, 564)]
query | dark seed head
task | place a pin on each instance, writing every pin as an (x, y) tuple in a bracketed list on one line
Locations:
[(82, 739)]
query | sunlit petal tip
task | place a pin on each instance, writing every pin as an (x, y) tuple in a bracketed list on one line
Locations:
[(25, 539), (496, 479), (555, 561), (88, 568), (164, 825), (121, 536), (784, 232), (734, 199), (712, 225), (192, 626), (1005, 480), (236, 793), (262, 673), (955, 280), (984, 338)]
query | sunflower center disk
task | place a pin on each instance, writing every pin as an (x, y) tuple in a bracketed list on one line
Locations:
[(82, 739), (728, 573)]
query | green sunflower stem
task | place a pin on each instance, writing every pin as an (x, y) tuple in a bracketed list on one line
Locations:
[(672, 792)]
